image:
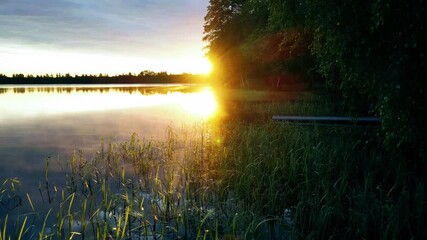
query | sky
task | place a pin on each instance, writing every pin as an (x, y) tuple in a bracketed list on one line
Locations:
[(101, 36)]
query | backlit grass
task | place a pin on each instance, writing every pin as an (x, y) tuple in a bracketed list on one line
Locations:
[(240, 178)]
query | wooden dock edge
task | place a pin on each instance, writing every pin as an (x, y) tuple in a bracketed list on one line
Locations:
[(329, 120)]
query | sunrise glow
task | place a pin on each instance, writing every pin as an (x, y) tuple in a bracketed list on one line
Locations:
[(203, 103), (26, 60), (36, 103), (95, 37), (201, 65)]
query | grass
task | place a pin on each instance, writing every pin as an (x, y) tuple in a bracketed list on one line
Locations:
[(237, 179)]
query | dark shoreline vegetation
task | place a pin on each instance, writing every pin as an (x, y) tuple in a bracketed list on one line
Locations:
[(242, 177), (370, 57)]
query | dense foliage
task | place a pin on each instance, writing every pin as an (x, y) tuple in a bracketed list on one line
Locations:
[(372, 54), (249, 49)]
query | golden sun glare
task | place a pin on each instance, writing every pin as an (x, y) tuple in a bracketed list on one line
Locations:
[(204, 66), (197, 65), (199, 105), (202, 104)]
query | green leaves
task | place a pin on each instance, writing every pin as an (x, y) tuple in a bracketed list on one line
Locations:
[(364, 49)]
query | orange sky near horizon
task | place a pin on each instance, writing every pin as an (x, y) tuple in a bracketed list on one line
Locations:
[(113, 37)]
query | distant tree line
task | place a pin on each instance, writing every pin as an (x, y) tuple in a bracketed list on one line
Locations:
[(145, 76)]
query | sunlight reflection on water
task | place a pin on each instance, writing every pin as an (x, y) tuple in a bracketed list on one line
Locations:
[(37, 101), (37, 122), (51, 122)]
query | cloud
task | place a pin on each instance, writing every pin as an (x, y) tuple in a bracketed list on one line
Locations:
[(122, 26)]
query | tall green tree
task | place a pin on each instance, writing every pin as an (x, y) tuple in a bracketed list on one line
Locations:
[(247, 46), (221, 31), (373, 52)]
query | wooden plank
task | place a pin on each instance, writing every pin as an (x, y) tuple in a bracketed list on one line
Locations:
[(329, 120)]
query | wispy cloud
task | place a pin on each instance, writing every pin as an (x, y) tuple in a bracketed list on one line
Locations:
[(122, 26)]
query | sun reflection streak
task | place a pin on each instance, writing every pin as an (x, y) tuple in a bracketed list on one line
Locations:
[(199, 104), (202, 104)]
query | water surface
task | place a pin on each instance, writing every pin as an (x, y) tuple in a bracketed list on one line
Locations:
[(51, 121)]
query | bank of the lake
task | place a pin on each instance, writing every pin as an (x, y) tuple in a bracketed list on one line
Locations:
[(242, 177)]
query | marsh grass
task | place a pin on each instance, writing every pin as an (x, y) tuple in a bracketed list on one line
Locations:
[(238, 179), (320, 183), (139, 189)]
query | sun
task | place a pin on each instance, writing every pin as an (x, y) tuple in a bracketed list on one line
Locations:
[(195, 65), (204, 66)]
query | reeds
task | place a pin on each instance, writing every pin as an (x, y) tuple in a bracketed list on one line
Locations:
[(236, 180)]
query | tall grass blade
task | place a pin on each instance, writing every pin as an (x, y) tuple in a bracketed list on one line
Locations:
[(22, 229)]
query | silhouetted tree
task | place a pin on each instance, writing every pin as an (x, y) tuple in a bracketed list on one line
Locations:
[(223, 32)]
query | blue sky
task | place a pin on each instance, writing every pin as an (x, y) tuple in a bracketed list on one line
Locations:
[(101, 36)]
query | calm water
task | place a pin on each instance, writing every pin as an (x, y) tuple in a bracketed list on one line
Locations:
[(38, 122)]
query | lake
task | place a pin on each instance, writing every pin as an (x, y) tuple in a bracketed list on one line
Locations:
[(38, 122)]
